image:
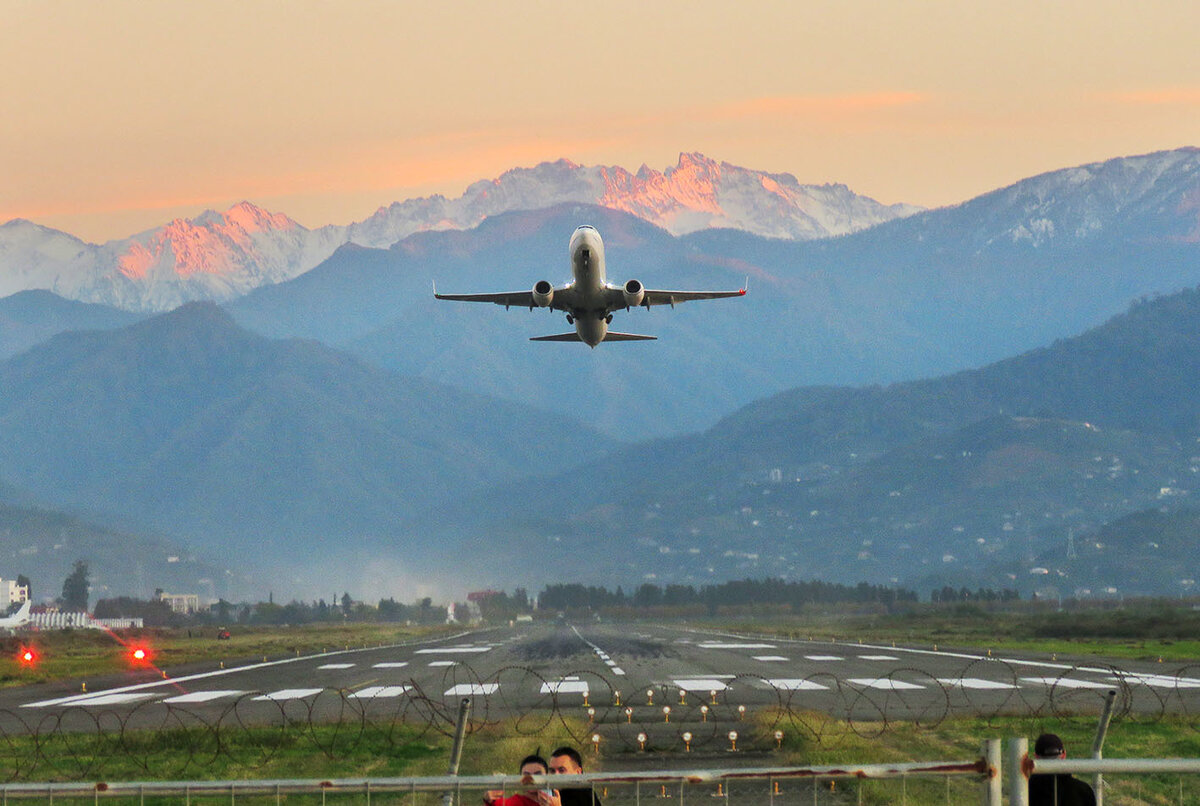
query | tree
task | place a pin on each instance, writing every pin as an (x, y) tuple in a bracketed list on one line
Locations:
[(75, 588)]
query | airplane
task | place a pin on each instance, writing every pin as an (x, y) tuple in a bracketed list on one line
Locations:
[(589, 301), (18, 619)]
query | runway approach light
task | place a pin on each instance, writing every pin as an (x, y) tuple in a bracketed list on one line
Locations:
[(741, 712), (628, 714), (778, 739), (139, 655), (595, 742), (649, 696), (641, 737), (703, 713), (733, 740), (713, 695), (28, 656), (666, 713), (687, 740)]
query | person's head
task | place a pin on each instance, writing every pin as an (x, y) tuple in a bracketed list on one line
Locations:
[(534, 764), (1048, 745), (566, 761)]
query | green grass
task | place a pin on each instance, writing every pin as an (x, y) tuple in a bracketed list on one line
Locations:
[(1139, 632), (71, 654)]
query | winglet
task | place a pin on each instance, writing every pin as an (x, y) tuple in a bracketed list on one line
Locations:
[(435, 293)]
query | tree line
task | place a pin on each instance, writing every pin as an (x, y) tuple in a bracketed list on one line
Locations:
[(726, 594)]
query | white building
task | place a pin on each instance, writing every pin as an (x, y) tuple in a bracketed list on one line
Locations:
[(11, 592), (181, 602)]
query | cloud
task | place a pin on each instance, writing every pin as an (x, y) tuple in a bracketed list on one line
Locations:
[(1165, 96), (815, 105)]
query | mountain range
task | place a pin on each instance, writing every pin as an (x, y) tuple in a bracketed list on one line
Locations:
[(342, 426), (274, 452), (982, 478), (221, 256)]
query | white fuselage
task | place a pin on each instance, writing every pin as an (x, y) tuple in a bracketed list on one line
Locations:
[(588, 299)]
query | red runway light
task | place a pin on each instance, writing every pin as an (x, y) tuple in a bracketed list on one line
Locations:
[(139, 654), (27, 656)]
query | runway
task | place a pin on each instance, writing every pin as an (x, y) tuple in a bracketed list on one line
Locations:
[(636, 678)]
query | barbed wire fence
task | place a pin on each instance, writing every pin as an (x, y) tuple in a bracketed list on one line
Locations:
[(749, 713)]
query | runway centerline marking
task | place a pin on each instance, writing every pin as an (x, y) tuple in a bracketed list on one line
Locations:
[(771, 658), (823, 657), (391, 665), (722, 645), (878, 657), (453, 650), (336, 666)]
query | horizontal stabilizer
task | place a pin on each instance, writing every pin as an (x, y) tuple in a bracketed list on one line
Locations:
[(611, 336), (572, 336)]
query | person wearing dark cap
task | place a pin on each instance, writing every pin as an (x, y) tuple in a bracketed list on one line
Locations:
[(1056, 790)]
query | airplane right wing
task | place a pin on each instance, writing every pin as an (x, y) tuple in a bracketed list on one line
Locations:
[(671, 297)]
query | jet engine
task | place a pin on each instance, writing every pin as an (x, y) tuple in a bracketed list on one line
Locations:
[(634, 293), (543, 293)]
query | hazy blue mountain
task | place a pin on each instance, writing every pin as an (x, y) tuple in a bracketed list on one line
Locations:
[(965, 479), (44, 546), (281, 452), (30, 317), (932, 293)]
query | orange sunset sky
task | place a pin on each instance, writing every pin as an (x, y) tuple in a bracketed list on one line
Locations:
[(118, 116)]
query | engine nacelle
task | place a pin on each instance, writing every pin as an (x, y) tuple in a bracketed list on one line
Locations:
[(543, 293), (634, 293)]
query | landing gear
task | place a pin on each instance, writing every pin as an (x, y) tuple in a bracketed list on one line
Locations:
[(608, 319)]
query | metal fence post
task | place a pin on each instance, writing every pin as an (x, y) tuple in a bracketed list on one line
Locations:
[(1018, 779), (1098, 745), (464, 708), (993, 786)]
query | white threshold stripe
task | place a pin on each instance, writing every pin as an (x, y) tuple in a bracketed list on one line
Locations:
[(883, 683), (472, 689), (566, 687), (373, 692), (104, 698), (703, 685), (171, 681), (203, 696), (793, 684), (289, 694), (976, 683)]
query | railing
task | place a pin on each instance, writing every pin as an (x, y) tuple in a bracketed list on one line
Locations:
[(765, 785), (981, 780)]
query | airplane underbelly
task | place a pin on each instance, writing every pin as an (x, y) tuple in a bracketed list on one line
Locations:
[(591, 331)]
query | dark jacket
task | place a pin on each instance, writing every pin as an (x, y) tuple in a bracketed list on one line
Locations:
[(1059, 790)]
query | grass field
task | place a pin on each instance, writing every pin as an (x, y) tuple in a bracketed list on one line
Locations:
[(69, 654), (1139, 631)]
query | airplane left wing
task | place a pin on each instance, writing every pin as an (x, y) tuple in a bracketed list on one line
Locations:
[(519, 299)]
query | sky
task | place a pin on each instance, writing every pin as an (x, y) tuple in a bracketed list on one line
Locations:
[(119, 116)]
